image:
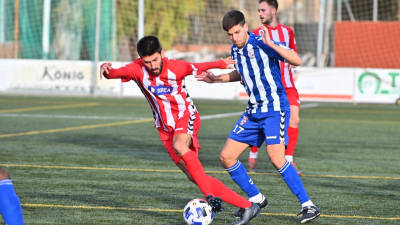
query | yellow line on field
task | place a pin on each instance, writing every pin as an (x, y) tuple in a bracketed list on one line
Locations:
[(90, 168), (179, 171), (34, 205), (336, 216), (97, 207), (50, 107), (75, 128)]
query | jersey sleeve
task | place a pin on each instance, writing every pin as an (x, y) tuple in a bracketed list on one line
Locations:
[(126, 73), (198, 68), (256, 31), (292, 40)]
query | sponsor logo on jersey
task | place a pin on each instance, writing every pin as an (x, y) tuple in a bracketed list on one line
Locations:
[(244, 120), (271, 137), (251, 54), (161, 90)]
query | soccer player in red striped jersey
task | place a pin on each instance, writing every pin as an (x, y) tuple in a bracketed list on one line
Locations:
[(161, 81), (284, 35)]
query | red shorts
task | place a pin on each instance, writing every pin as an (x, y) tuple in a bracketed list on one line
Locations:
[(293, 96), (183, 126)]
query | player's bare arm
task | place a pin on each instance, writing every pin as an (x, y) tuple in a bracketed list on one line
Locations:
[(289, 55), (209, 77)]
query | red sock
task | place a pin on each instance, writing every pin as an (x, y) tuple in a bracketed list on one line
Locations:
[(194, 167), (228, 195), (209, 185), (293, 135)]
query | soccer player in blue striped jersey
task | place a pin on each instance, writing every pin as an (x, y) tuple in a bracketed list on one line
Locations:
[(10, 206), (266, 117)]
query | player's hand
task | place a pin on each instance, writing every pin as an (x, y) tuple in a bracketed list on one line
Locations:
[(229, 62), (207, 77), (105, 68), (265, 36)]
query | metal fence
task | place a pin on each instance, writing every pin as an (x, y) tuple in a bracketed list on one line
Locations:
[(108, 29)]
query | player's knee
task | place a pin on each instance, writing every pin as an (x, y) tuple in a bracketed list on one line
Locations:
[(180, 147), (277, 161), (4, 175), (225, 160), (294, 121)]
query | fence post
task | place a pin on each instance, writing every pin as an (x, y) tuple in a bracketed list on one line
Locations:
[(140, 19), (93, 82), (320, 40), (46, 29)]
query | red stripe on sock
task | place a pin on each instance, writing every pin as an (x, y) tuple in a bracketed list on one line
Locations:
[(254, 149)]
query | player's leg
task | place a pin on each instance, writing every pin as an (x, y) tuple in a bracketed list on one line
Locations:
[(166, 139), (177, 159), (275, 127), (293, 130), (252, 161), (209, 185), (186, 144), (245, 132), (229, 159), (193, 166), (10, 206)]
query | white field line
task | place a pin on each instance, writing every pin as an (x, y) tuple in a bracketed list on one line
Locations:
[(50, 116)]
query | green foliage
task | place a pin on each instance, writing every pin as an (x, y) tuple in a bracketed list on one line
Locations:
[(127, 17), (166, 19)]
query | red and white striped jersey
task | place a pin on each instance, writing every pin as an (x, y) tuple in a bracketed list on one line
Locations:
[(285, 36), (166, 92)]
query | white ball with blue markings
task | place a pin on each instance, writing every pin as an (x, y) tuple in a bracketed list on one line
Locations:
[(198, 212)]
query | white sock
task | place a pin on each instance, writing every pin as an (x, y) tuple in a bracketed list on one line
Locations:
[(253, 155), (307, 203), (289, 158), (257, 198)]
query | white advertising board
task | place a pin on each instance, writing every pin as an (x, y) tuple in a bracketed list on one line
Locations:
[(313, 84), (377, 85), (323, 84), (45, 76)]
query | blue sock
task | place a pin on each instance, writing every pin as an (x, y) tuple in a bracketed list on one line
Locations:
[(293, 181), (10, 207), (239, 175)]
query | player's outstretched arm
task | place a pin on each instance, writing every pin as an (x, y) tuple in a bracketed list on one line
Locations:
[(125, 73), (289, 55), (204, 66), (209, 77)]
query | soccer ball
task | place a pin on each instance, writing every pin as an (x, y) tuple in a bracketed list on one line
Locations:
[(198, 212)]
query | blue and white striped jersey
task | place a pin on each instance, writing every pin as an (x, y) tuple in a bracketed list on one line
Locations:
[(258, 66)]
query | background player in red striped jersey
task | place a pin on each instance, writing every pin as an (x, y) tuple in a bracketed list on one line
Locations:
[(267, 10), (161, 81)]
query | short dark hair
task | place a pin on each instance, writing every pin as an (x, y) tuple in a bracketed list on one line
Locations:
[(273, 3), (232, 18), (148, 45)]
